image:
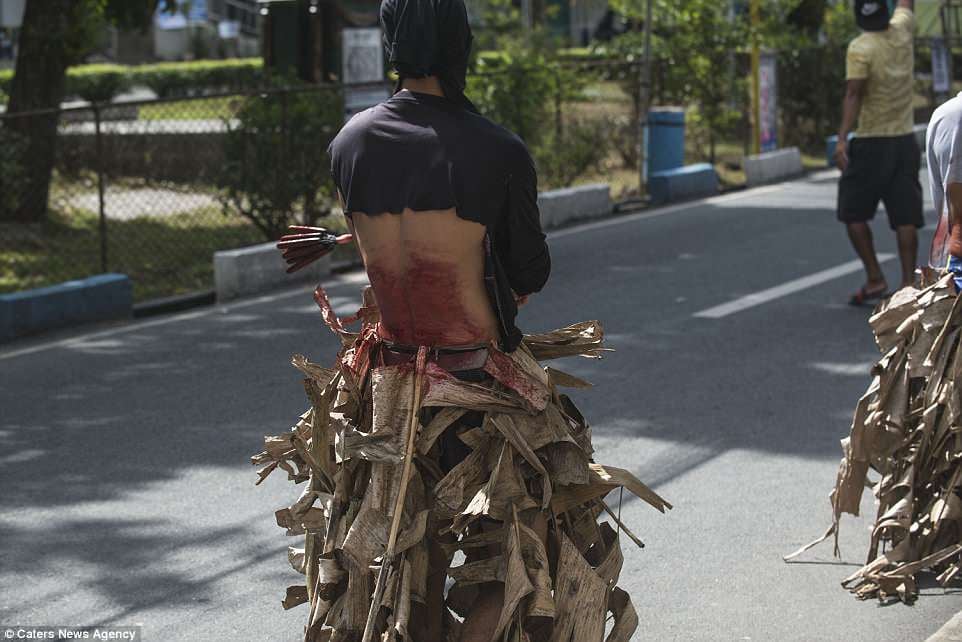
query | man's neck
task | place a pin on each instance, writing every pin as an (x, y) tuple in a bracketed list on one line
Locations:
[(428, 85)]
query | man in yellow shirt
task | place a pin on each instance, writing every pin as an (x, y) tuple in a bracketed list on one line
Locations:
[(882, 162)]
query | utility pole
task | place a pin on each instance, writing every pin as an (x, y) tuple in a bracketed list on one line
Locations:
[(644, 98), (756, 90)]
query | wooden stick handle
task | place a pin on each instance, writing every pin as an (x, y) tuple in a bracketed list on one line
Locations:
[(388, 559)]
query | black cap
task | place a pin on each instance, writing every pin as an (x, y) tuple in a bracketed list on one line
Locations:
[(872, 15)]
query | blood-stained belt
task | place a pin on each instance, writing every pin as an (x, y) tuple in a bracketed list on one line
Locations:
[(449, 359)]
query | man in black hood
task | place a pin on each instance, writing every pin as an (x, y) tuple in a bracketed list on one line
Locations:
[(438, 430), (428, 149)]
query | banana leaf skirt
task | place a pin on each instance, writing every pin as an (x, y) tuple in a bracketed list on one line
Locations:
[(371, 441), (908, 429)]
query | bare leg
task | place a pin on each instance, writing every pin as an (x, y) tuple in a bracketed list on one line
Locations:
[(481, 622), (861, 236), (908, 240), (483, 619), (428, 622)]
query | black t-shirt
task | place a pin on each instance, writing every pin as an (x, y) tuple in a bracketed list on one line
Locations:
[(425, 152)]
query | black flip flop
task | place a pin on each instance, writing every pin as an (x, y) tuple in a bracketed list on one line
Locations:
[(863, 296)]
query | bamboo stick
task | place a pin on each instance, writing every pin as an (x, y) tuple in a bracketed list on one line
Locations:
[(388, 560)]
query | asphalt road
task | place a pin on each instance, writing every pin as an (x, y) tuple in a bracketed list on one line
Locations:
[(128, 497)]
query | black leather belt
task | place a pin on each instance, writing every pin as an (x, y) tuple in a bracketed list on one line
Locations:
[(450, 359)]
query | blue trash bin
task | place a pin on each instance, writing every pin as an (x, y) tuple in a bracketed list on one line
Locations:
[(666, 139)]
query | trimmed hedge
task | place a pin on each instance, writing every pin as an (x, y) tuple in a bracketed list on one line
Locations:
[(97, 83), (175, 79), (100, 83), (494, 59)]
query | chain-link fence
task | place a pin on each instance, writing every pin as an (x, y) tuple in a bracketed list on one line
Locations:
[(152, 189)]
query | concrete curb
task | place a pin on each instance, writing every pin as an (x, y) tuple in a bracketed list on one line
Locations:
[(683, 183), (96, 298), (560, 206), (259, 268), (773, 167)]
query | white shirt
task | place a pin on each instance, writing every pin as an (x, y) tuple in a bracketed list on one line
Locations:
[(943, 149)]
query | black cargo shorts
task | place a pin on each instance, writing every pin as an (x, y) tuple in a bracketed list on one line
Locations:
[(884, 168)]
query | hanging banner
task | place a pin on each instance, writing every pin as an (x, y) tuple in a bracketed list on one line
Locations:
[(768, 101), (940, 67)]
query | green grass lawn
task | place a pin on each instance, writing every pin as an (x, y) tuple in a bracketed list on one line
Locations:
[(162, 256), (199, 109)]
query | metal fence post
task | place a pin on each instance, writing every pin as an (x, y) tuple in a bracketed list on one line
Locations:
[(557, 102), (100, 188)]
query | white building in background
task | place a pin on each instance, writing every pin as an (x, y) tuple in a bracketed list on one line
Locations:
[(207, 29), (200, 29)]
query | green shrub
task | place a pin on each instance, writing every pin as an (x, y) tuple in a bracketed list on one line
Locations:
[(517, 94), (101, 83), (97, 83), (521, 92), (812, 79), (179, 79), (275, 171), (562, 159)]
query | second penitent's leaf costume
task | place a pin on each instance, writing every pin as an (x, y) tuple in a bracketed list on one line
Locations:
[(405, 451), (906, 435)]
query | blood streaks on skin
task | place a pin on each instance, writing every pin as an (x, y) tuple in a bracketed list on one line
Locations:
[(422, 305)]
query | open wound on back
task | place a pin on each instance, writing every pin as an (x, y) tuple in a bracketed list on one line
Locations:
[(423, 304)]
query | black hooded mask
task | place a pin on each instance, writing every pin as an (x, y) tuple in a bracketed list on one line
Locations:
[(429, 38), (872, 15)]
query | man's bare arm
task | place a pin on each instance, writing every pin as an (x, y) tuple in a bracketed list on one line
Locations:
[(953, 196), (851, 106), (907, 4)]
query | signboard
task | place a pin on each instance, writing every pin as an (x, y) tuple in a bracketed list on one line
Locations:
[(940, 67), (768, 102), (362, 62)]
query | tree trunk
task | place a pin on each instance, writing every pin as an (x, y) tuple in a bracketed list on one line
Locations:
[(38, 83)]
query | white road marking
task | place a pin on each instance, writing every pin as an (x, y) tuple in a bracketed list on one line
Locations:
[(785, 289)]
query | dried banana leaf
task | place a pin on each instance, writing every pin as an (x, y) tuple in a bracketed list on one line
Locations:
[(527, 480), (906, 427)]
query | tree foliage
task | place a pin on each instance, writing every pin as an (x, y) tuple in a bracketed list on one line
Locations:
[(694, 42), (523, 91), (701, 53), (276, 173), (55, 34)]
